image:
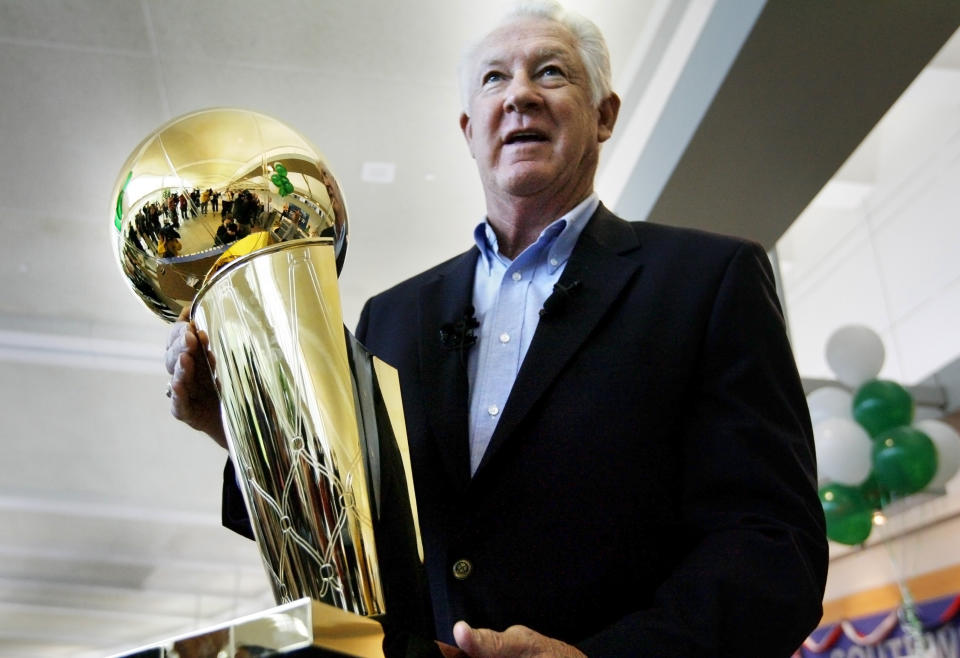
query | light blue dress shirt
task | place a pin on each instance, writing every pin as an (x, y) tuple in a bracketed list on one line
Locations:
[(507, 298)]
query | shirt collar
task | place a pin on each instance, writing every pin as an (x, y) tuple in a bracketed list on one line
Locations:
[(557, 239)]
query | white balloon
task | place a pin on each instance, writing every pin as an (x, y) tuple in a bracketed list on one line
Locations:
[(843, 451), (855, 354), (947, 441), (829, 402)]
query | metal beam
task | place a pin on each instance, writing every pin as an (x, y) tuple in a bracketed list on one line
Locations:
[(809, 83)]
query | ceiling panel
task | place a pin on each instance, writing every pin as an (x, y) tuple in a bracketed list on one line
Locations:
[(107, 25)]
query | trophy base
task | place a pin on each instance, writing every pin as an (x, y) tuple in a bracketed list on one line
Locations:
[(301, 628)]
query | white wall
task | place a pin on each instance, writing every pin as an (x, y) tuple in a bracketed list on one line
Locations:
[(881, 246)]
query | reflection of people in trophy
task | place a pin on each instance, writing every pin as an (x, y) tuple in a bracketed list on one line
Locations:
[(168, 245), (227, 231), (152, 222), (183, 206), (133, 238), (245, 208), (173, 201), (610, 443), (227, 203), (242, 231)]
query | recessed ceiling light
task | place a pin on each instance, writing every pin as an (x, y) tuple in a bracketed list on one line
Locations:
[(378, 172)]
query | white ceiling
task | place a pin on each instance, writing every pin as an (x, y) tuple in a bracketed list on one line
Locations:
[(109, 510)]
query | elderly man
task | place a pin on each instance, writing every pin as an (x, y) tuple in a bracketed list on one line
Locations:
[(622, 463)]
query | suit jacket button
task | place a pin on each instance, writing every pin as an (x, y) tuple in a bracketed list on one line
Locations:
[(462, 569)]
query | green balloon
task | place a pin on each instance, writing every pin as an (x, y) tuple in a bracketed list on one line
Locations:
[(849, 515), (881, 405), (904, 460)]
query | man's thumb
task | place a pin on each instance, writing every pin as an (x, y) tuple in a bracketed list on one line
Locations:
[(477, 642)]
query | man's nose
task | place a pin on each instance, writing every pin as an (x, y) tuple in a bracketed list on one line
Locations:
[(522, 95)]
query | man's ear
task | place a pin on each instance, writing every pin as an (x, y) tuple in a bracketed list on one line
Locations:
[(467, 131), (606, 116)]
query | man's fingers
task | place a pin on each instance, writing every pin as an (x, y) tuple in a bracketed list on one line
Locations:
[(477, 642), (182, 338), (174, 333), (174, 340), (182, 323), (183, 374), (191, 376), (515, 642)]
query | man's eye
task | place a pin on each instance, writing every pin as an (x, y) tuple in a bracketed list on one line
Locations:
[(550, 71), (492, 76)]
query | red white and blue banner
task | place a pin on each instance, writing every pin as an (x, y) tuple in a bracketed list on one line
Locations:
[(883, 635)]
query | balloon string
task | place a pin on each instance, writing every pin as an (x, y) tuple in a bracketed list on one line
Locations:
[(908, 611)]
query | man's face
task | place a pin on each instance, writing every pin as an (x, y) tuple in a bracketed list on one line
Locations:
[(532, 127)]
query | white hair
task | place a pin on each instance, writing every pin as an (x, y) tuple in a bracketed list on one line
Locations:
[(589, 43)]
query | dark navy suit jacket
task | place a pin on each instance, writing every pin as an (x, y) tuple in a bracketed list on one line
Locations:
[(650, 488)]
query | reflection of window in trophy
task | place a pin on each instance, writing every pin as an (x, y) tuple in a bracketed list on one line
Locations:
[(293, 222)]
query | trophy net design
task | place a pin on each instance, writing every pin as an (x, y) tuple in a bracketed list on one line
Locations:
[(296, 415), (237, 216)]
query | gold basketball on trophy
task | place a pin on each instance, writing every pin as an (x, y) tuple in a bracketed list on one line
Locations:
[(191, 192)]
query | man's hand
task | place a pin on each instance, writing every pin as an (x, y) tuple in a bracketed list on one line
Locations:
[(515, 642), (193, 398)]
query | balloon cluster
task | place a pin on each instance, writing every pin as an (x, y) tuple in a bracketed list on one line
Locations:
[(870, 451), (284, 186)]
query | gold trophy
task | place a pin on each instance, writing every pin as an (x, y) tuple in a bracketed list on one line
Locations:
[(237, 214)]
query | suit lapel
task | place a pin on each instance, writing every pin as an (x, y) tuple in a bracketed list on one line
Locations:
[(444, 372), (603, 264)]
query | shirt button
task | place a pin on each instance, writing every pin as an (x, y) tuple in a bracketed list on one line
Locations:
[(493, 410), (554, 262), (462, 569), (504, 338), (517, 276)]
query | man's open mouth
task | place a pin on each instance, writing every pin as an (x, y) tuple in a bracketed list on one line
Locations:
[(525, 136)]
